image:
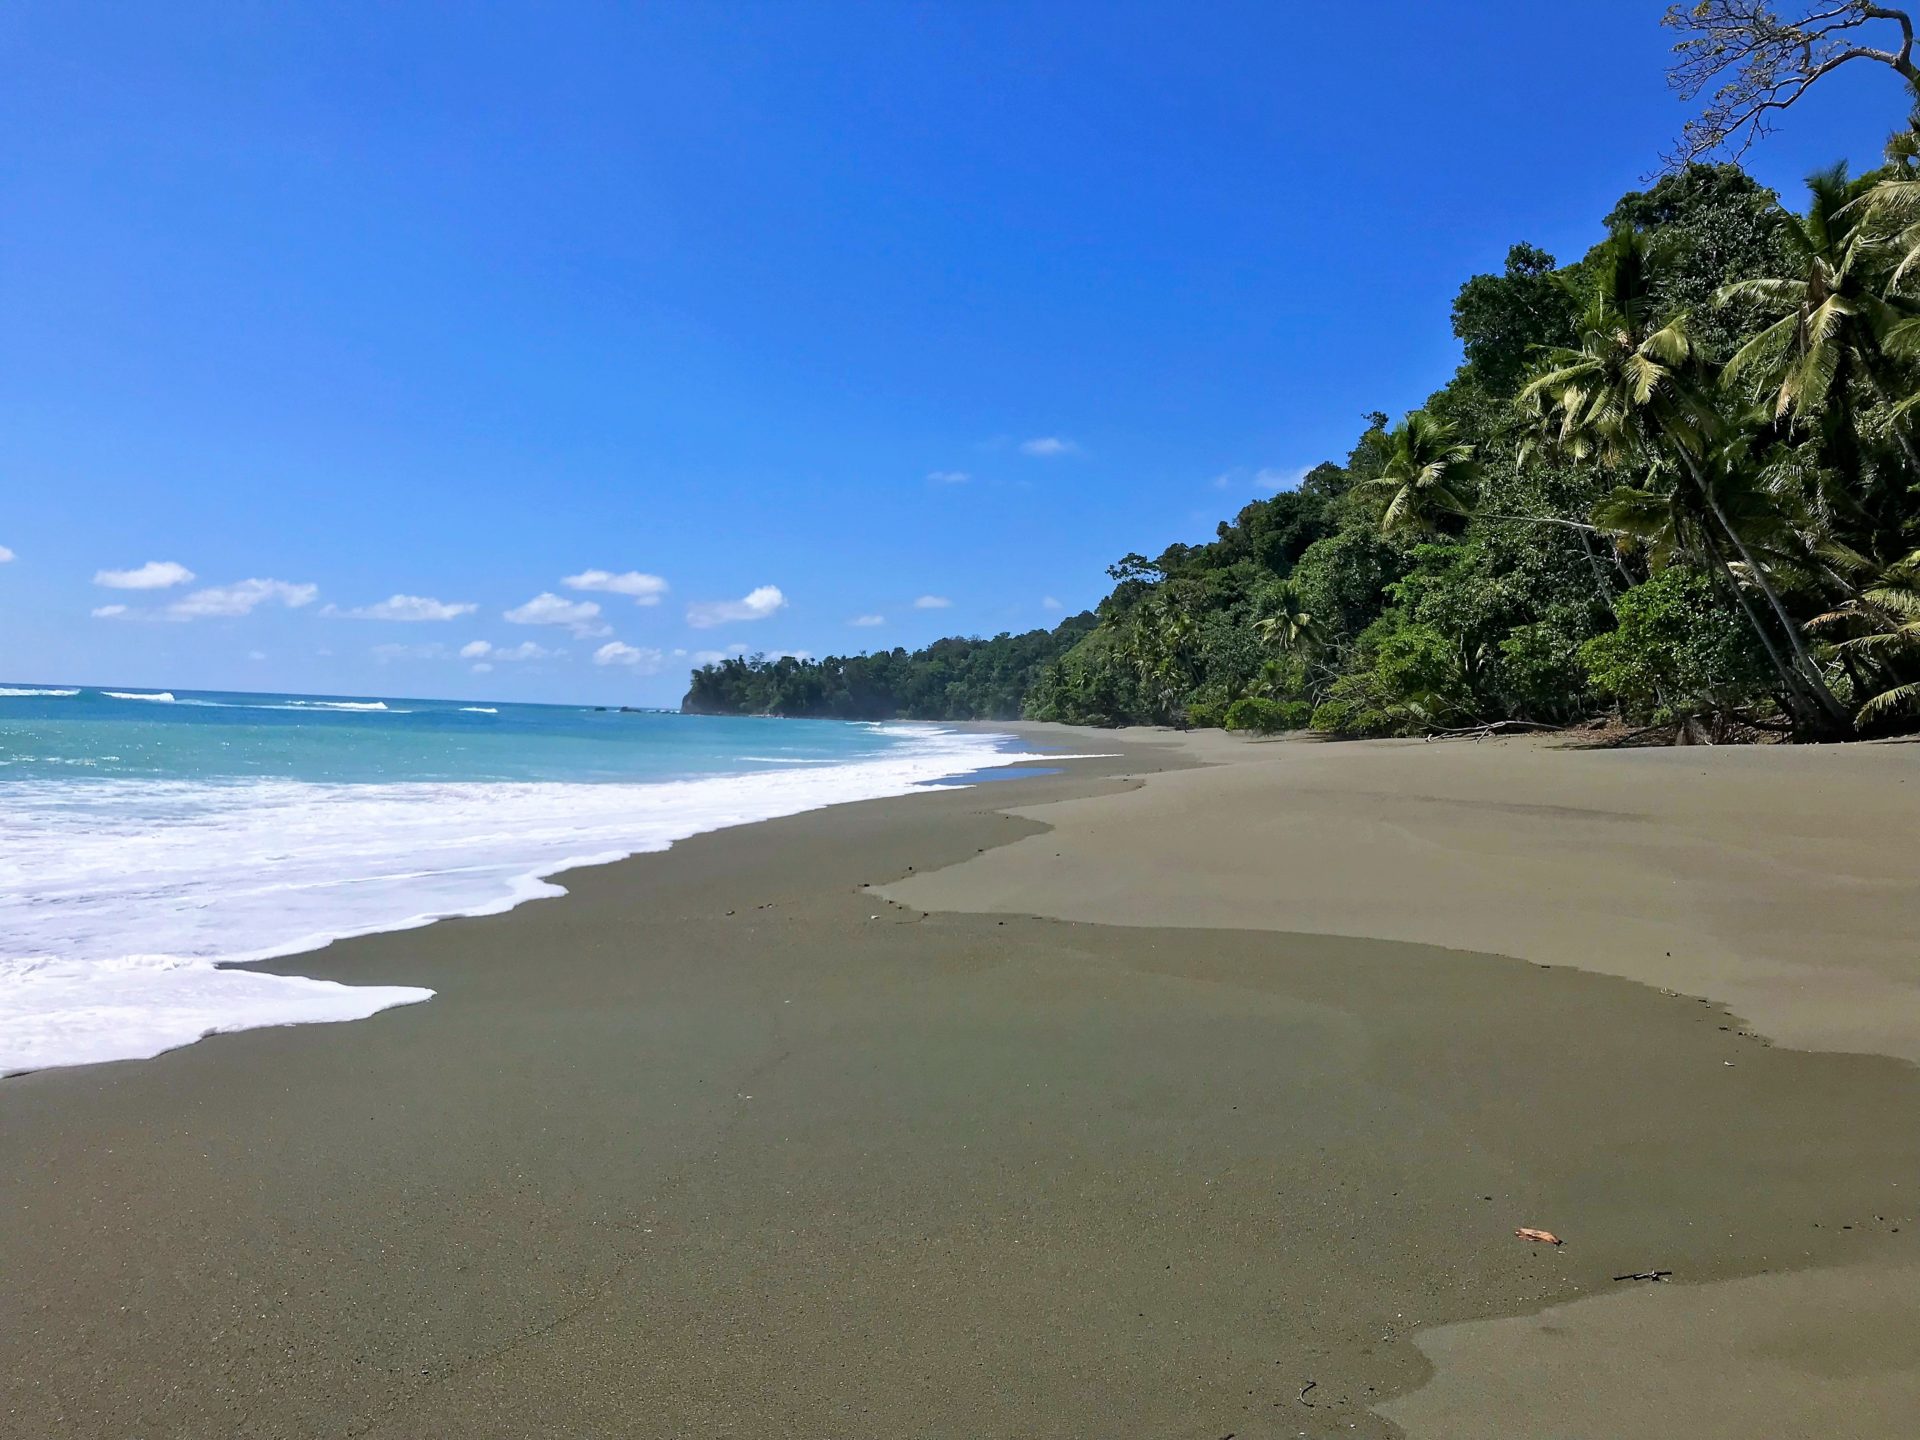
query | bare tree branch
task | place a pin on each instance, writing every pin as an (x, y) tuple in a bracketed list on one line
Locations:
[(1752, 63)]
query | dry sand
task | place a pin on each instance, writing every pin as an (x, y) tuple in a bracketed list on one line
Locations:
[(722, 1144)]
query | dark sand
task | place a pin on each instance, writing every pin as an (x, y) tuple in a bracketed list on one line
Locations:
[(722, 1144)]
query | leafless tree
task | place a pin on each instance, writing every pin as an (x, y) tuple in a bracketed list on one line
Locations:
[(1753, 62)]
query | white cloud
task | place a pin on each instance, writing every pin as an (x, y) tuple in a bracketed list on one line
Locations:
[(241, 598), (949, 477), (1268, 478), (482, 668), (406, 607), (618, 652), (388, 653), (933, 602), (645, 589), (754, 605), (1048, 447), (868, 620), (154, 575), (108, 612), (714, 657), (525, 650), (6, 555), (580, 616), (1047, 602)]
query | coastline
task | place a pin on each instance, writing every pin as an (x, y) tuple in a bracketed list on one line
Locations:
[(722, 1142), (129, 933)]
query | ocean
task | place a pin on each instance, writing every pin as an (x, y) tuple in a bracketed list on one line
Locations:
[(146, 836)]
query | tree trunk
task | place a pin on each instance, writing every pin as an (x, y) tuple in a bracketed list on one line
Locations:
[(1599, 575), (1802, 657), (1795, 695), (1816, 685)]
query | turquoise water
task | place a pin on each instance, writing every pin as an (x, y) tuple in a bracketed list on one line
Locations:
[(148, 838), (64, 732)]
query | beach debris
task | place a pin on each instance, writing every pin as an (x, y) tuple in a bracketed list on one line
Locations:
[(1656, 1276), (1542, 1237), (1310, 1385)]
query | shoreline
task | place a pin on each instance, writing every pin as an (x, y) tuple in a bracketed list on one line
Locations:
[(723, 1143), (90, 1004)]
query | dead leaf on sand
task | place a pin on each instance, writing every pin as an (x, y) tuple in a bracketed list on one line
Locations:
[(1544, 1237)]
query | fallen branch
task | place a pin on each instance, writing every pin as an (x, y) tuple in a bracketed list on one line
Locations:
[(1481, 731), (1656, 1276)]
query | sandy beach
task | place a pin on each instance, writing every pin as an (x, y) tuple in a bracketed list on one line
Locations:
[(1192, 1092)]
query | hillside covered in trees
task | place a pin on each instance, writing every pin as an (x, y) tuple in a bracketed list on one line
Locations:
[(1675, 480), (953, 679)]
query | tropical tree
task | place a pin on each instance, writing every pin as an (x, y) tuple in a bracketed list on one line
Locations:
[(1835, 329), (1634, 393), (1754, 59), (1428, 476), (1881, 648), (1288, 626)]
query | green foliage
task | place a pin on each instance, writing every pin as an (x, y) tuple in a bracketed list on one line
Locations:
[(1502, 320), (1679, 650), (1677, 477), (1266, 717), (1206, 715), (1343, 579), (948, 680), (1714, 224)]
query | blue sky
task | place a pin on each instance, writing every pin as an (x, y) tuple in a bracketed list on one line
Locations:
[(913, 314)]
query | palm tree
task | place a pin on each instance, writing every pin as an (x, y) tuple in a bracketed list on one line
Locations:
[(1882, 652), (1429, 475), (1629, 388), (1835, 327), (1161, 647), (1288, 626), (1633, 391)]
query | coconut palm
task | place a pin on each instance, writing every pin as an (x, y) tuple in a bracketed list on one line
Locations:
[(1161, 648), (1882, 644), (1634, 391), (1832, 323), (1631, 387), (1429, 476), (1836, 333), (1288, 626)]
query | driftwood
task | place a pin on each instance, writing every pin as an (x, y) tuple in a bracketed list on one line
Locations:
[(1482, 731), (1656, 1276)]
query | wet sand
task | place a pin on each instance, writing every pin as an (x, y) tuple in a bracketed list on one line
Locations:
[(724, 1143)]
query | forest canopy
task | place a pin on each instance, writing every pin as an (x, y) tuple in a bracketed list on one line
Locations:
[(1674, 481)]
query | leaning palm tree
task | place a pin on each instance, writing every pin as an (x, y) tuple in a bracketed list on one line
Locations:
[(1633, 391), (1428, 476)]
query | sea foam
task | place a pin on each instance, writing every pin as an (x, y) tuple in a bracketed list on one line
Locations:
[(120, 899)]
